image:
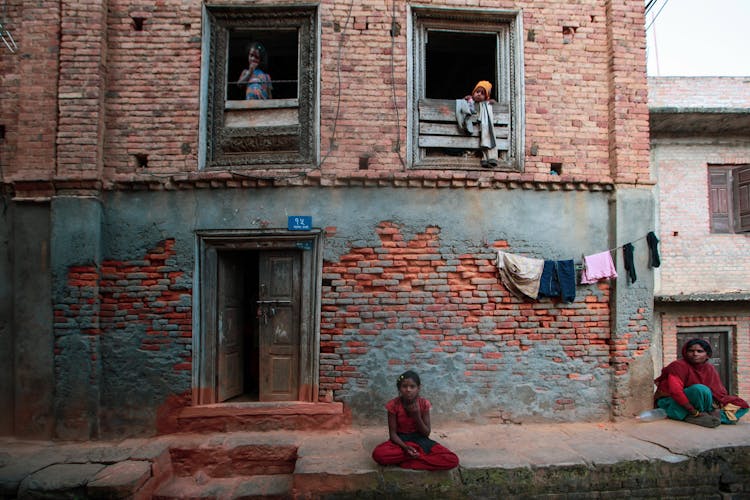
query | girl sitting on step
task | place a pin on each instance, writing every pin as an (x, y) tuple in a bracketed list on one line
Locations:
[(409, 445)]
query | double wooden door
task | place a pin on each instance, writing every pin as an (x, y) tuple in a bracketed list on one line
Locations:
[(258, 325)]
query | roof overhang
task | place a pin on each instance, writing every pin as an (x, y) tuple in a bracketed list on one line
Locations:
[(699, 121), (704, 297)]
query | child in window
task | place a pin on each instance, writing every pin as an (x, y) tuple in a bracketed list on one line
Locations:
[(257, 83), (409, 429), (480, 103)]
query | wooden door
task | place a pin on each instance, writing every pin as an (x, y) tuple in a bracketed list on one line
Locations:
[(278, 318), (229, 327), (720, 347)]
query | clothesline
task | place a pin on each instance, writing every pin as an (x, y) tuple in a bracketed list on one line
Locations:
[(579, 264), (533, 277), (620, 246)]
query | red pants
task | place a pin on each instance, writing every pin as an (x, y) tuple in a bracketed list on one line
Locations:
[(439, 458)]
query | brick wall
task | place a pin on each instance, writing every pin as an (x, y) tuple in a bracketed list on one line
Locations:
[(457, 313), (128, 96), (585, 97), (693, 259), (137, 315)]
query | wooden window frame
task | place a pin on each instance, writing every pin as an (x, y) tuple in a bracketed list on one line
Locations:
[(729, 198), (508, 78), (208, 244), (686, 333), (271, 134)]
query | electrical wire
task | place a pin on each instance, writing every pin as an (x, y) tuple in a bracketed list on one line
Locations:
[(653, 19), (338, 78), (393, 84)]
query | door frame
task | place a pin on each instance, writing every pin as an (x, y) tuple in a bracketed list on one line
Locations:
[(207, 245), (684, 334)]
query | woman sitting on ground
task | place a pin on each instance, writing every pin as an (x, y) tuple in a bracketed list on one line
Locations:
[(690, 389)]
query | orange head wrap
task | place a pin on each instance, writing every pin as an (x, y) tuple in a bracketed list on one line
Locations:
[(487, 86)]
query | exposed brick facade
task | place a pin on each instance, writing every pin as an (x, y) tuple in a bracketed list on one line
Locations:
[(152, 83), (143, 295), (94, 107), (454, 304)]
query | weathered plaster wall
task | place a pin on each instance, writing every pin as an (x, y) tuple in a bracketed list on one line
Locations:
[(33, 363), (6, 321), (633, 304), (483, 353)]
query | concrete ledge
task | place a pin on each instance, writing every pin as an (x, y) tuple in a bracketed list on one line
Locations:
[(662, 459)]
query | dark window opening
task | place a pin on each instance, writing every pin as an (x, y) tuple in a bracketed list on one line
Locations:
[(282, 61), (141, 160), (455, 62), (138, 23)]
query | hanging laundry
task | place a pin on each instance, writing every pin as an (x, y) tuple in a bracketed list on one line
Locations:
[(558, 280), (653, 241), (464, 115), (627, 254), (520, 275), (598, 267)]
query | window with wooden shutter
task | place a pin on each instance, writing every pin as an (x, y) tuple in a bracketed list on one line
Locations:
[(718, 198), (741, 195), (453, 49), (729, 198)]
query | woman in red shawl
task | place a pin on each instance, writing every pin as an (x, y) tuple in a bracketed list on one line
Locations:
[(690, 389)]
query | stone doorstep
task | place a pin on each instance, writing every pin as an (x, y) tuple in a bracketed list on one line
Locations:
[(234, 460), (265, 416), (262, 409)]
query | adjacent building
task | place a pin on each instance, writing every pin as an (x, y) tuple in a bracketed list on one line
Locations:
[(700, 151)]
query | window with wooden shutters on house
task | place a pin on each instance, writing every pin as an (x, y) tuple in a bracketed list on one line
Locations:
[(452, 50), (729, 198)]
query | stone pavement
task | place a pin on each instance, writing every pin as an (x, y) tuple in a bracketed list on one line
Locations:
[(624, 459)]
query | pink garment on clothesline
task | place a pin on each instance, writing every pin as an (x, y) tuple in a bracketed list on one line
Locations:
[(598, 267)]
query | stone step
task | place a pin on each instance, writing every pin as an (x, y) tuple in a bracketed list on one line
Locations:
[(267, 416), (237, 459), (269, 487)]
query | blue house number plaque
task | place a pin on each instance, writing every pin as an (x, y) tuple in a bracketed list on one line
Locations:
[(299, 222)]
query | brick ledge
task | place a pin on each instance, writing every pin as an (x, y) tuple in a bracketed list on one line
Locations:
[(230, 180)]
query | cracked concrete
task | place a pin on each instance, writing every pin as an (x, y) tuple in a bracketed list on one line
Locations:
[(514, 459)]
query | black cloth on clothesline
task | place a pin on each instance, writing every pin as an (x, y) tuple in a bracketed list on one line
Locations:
[(627, 254), (653, 241)]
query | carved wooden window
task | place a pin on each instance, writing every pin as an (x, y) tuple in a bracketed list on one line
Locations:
[(451, 51), (729, 198), (280, 132)]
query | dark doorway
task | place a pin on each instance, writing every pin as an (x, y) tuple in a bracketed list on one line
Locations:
[(258, 315), (258, 323), (719, 338)]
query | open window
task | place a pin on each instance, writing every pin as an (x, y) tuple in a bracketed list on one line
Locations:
[(729, 198), (275, 128), (452, 50)]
